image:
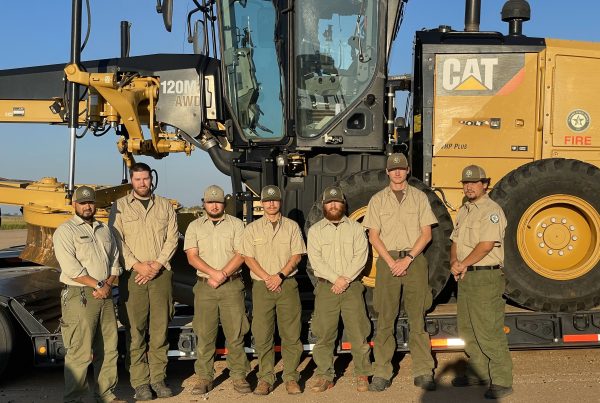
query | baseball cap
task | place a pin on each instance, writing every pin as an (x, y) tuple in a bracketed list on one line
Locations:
[(473, 173), (333, 193), (270, 193), (397, 160), (214, 194), (84, 194)]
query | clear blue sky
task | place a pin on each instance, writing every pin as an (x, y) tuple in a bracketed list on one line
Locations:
[(37, 33)]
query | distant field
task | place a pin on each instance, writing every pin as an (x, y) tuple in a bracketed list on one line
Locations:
[(13, 222)]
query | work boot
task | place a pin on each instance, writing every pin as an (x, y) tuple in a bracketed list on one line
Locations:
[(241, 386), (425, 382), (202, 387), (162, 391), (292, 388), (263, 388), (362, 383), (497, 391), (142, 393), (462, 381), (321, 385), (379, 384)]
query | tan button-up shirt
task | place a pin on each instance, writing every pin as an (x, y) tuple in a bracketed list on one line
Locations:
[(144, 234), (85, 250), (336, 251), (476, 222), (272, 248), (217, 244), (399, 223)]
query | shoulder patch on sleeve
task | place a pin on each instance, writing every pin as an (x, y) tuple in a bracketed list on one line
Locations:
[(494, 218)]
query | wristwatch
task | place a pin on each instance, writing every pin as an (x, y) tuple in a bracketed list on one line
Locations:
[(281, 276), (100, 284)]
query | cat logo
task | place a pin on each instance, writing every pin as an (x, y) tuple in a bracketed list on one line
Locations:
[(476, 74)]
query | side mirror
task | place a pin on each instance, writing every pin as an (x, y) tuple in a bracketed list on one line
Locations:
[(199, 38), (166, 9)]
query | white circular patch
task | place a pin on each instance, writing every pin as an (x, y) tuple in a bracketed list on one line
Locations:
[(214, 193), (578, 120), (333, 192), (396, 160), (86, 193), (271, 192), (469, 173), (494, 218)]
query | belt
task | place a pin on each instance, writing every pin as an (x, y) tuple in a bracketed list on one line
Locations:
[(322, 280), (403, 253), (477, 268), (230, 278)]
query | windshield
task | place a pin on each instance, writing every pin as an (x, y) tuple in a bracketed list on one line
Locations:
[(252, 69), (336, 57)]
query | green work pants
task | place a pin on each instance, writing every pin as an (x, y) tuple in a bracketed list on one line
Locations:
[(328, 307), (89, 332), (481, 326), (146, 310), (414, 289), (227, 304), (285, 305)]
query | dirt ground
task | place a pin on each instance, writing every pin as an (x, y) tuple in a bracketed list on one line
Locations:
[(539, 376)]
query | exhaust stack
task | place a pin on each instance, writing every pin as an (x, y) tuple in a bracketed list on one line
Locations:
[(515, 12), (472, 15)]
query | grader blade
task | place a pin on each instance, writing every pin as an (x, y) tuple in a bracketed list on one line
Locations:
[(38, 247)]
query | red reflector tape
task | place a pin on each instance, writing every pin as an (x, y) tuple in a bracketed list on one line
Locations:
[(575, 338), (347, 345)]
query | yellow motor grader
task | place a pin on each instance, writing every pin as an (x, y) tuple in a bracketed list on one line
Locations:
[(297, 94)]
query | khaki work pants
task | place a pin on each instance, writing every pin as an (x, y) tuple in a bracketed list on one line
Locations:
[(226, 303), (414, 289), (89, 332), (481, 326), (328, 307), (146, 310), (285, 305)]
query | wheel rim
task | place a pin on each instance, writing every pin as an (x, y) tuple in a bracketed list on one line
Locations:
[(369, 278), (557, 237)]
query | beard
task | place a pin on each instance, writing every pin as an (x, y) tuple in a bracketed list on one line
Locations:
[(87, 216), (215, 215), (334, 214), (143, 192)]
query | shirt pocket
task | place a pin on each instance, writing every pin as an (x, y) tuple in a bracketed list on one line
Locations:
[(261, 247), (203, 243), (385, 219), (85, 246), (131, 226), (472, 234), (326, 249)]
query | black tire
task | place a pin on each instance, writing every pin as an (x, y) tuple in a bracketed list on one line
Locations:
[(560, 183), (358, 189), (7, 335)]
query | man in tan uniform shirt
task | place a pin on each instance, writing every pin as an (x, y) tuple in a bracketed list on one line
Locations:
[(89, 261), (338, 249), (272, 247), (477, 258), (212, 244), (145, 226), (399, 219)]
